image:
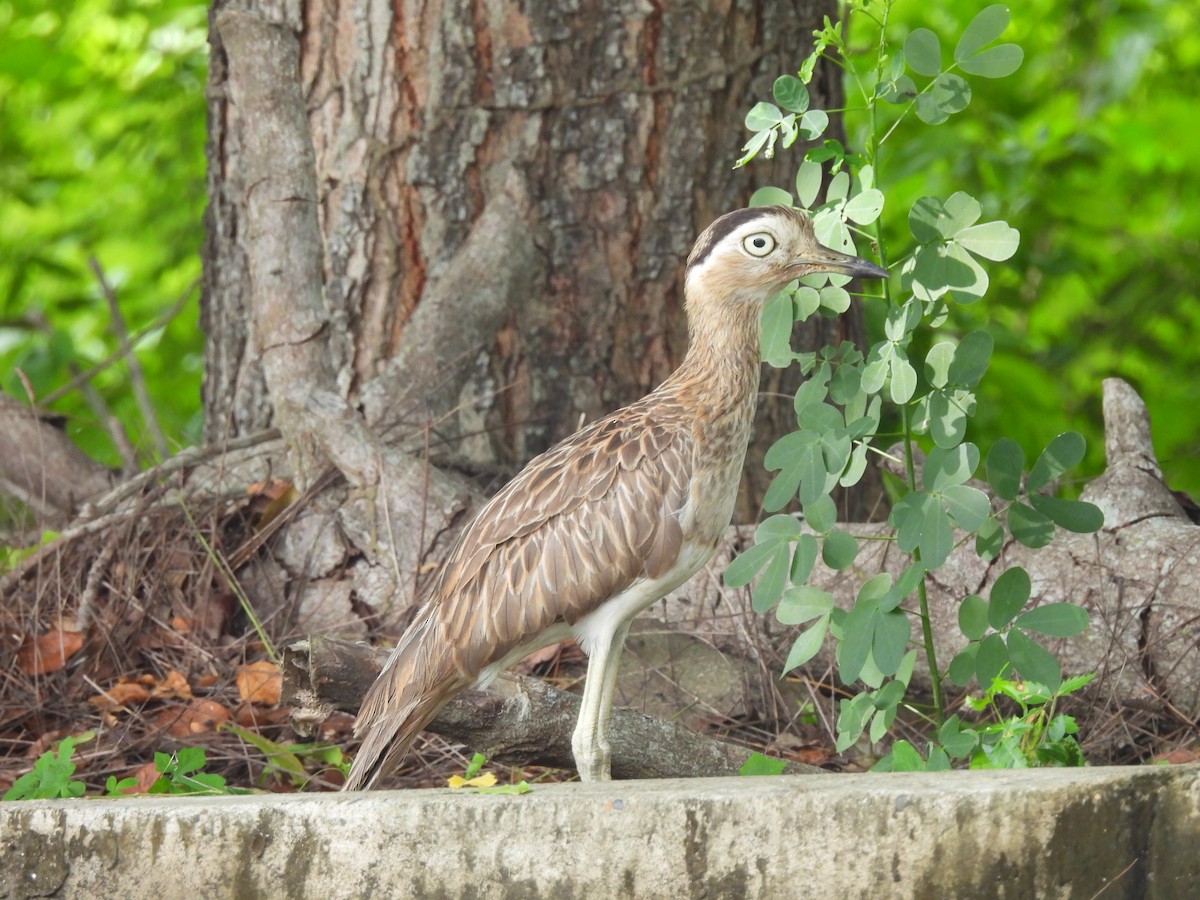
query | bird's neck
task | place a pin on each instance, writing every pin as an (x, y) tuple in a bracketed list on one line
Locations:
[(720, 372)]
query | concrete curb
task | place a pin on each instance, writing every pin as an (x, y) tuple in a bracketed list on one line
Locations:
[(1131, 832)]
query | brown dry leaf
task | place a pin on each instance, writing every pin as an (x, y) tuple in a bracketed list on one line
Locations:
[(119, 694), (146, 774), (172, 685), (197, 717), (1179, 756), (259, 682), (48, 652)]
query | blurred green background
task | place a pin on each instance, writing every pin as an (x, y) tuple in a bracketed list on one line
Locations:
[(1091, 150)]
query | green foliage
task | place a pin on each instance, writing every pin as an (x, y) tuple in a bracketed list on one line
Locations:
[(840, 406), (181, 773), (289, 759), (1090, 152), (51, 775), (1034, 736), (101, 155), (758, 764)]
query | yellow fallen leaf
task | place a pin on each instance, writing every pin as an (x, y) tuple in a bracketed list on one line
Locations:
[(487, 779)]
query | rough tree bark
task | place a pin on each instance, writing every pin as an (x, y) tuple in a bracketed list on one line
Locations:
[(458, 230)]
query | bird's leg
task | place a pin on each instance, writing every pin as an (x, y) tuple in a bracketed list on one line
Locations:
[(593, 756)]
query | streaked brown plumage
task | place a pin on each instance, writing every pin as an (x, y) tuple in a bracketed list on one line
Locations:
[(600, 526)]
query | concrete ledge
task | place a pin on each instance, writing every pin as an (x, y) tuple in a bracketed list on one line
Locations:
[(1130, 832)]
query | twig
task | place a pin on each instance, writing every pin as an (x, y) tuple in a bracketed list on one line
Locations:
[(91, 587), (92, 371), (136, 377)]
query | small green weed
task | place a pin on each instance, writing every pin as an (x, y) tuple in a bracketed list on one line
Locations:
[(51, 775)]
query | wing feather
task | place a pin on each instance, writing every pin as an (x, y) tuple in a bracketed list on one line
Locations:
[(578, 525)]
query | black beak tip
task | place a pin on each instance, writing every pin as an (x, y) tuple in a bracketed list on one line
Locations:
[(864, 268)]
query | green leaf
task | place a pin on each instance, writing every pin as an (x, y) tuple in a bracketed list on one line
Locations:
[(937, 363), (752, 147), (973, 617), (988, 25), (949, 94), (905, 758), (938, 760), (855, 647), (991, 658), (758, 764), (1009, 595), (777, 528), (790, 93), (945, 467), (903, 383), (1030, 527), (801, 604), (1078, 516), (892, 630), (989, 540), (947, 419), (908, 517), (1033, 661), (814, 389), (864, 207), (852, 719), (996, 241), (968, 507), (898, 90), (962, 667), (741, 571), (803, 559), (1063, 453), (813, 124), (995, 62), (839, 550), (835, 299), (770, 196), (807, 645), (937, 536), (808, 183), (971, 358), (1055, 620), (958, 741), (769, 587), (821, 514), (777, 331), (923, 51), (763, 116), (908, 581), (1005, 462)]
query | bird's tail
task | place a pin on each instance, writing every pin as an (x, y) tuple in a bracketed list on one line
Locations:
[(415, 683)]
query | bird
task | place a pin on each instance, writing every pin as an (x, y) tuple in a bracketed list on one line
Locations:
[(611, 519)]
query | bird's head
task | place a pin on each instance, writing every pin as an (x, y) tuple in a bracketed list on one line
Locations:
[(749, 254)]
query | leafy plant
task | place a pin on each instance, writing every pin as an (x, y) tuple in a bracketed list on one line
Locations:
[(485, 783), (840, 407), (760, 764), (1036, 736), (289, 759), (51, 775), (181, 773)]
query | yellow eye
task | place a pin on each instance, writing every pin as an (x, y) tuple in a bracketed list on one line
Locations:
[(759, 244)]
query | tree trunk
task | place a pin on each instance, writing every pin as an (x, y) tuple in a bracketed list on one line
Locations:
[(506, 196)]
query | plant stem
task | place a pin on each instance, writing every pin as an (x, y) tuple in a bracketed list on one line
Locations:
[(935, 677)]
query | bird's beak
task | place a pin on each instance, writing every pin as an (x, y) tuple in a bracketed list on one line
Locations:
[(826, 260)]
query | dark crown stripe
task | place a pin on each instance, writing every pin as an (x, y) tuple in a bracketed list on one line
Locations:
[(726, 225)]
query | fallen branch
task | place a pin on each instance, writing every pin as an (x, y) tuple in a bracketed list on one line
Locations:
[(519, 720)]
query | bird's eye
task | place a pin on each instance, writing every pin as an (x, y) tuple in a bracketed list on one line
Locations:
[(759, 244)]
